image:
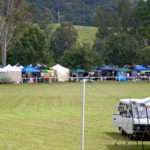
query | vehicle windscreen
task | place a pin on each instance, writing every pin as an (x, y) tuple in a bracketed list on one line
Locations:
[(140, 111)]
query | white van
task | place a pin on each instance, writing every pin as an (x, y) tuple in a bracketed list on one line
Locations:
[(133, 117)]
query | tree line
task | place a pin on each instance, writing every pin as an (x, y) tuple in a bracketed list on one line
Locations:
[(76, 11), (123, 37)]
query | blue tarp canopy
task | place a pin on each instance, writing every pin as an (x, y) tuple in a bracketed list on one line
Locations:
[(30, 69), (140, 68), (107, 68)]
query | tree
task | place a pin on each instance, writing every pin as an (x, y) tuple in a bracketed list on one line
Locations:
[(43, 18), (125, 15), (106, 21), (76, 11), (107, 25), (12, 12), (116, 20), (116, 31), (144, 55), (63, 38), (142, 13), (121, 49), (32, 47), (81, 56)]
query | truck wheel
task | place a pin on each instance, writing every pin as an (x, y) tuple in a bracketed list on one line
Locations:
[(131, 136), (121, 131)]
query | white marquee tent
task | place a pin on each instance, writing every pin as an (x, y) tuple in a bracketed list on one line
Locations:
[(10, 74), (62, 73)]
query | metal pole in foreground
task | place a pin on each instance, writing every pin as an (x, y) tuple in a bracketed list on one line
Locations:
[(83, 117)]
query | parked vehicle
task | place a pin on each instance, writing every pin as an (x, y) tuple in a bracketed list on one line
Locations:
[(133, 117)]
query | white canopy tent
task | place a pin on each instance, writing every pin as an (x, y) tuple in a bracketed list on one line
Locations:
[(62, 73), (10, 74)]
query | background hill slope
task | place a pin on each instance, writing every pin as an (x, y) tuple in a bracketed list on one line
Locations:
[(86, 34), (77, 11)]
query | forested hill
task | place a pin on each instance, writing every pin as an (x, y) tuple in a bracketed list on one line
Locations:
[(77, 11)]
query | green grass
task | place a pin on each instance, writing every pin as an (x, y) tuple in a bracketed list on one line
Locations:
[(48, 117), (86, 34)]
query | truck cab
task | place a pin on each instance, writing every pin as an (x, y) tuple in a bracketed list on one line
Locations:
[(132, 117)]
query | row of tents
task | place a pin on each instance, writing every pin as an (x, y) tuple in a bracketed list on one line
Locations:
[(137, 68), (16, 74), (125, 73)]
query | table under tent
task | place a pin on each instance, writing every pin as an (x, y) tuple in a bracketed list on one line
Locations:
[(30, 74), (141, 72), (78, 74), (106, 72)]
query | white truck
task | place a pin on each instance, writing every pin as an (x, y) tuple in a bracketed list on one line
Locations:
[(133, 117)]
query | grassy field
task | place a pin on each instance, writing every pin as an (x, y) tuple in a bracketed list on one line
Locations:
[(86, 34), (47, 116)]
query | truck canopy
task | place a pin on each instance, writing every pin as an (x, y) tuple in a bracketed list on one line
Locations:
[(145, 101)]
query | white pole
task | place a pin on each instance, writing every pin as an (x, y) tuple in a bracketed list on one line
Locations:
[(83, 117)]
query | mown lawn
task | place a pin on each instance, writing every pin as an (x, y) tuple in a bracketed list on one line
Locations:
[(47, 116)]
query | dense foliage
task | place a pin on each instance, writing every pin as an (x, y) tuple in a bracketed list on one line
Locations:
[(81, 56), (32, 47), (75, 11), (64, 38), (122, 37), (13, 13), (143, 14)]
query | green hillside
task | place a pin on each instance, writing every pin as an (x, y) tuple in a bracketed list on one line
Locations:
[(86, 34)]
